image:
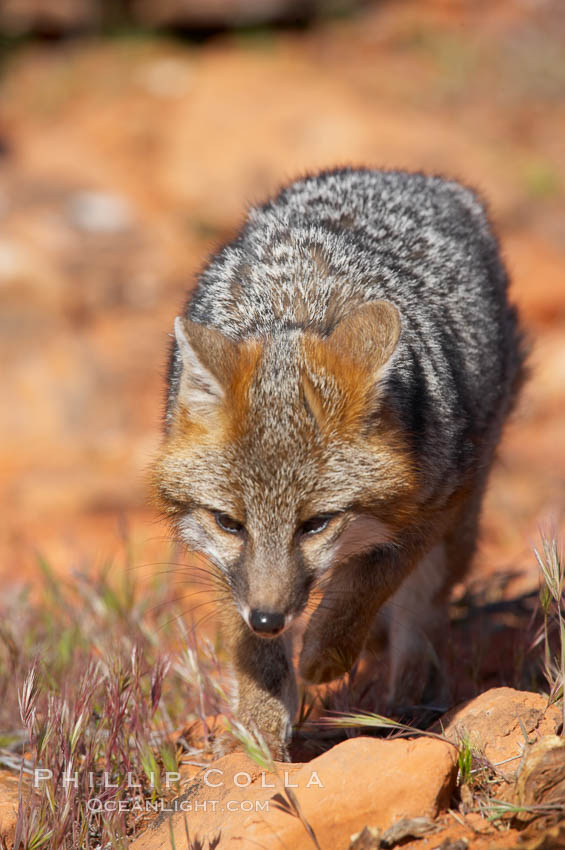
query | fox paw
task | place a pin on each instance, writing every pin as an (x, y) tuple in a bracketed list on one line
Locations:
[(223, 745)]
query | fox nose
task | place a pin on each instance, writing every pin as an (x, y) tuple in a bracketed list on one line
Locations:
[(266, 622)]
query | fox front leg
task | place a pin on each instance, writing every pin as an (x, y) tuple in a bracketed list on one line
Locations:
[(266, 685), (339, 626)]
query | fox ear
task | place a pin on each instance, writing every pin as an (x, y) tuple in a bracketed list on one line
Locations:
[(369, 335), (356, 355), (207, 356)]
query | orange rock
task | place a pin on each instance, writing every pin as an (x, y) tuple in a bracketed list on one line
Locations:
[(362, 781), (542, 778), (493, 724), (8, 807)]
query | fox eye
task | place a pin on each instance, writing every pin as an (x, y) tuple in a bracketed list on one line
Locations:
[(228, 523), (315, 524)]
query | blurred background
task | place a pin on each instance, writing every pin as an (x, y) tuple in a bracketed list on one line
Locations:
[(133, 133)]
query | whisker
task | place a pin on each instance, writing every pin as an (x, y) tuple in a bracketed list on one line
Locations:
[(206, 617), (177, 600), (181, 565), (188, 581), (189, 611)]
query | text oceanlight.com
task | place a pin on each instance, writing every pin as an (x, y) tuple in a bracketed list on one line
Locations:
[(95, 804)]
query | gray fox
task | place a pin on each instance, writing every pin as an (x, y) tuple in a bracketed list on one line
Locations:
[(337, 387)]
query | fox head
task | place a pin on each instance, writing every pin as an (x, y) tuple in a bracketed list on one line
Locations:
[(283, 457)]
